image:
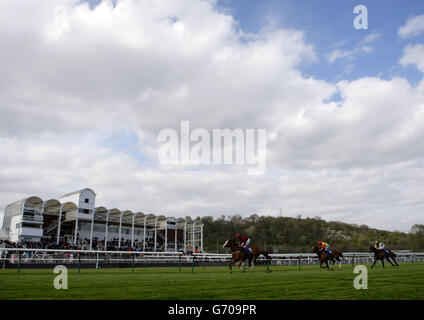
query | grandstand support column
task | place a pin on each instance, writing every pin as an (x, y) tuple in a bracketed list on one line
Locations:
[(144, 233), (156, 232), (166, 236), (185, 235), (192, 237), (91, 232), (59, 223), (42, 209), (42, 214), (176, 239), (201, 237), (120, 226), (132, 231), (22, 212), (76, 230), (107, 227), (22, 209)]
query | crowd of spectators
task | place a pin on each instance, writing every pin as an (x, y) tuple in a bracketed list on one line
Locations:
[(112, 245)]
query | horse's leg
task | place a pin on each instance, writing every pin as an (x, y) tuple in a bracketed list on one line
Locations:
[(382, 262), (373, 263), (394, 259), (230, 265), (240, 263), (254, 263), (390, 261)]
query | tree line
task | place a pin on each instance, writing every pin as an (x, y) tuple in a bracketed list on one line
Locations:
[(290, 235)]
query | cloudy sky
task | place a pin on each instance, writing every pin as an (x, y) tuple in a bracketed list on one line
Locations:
[(86, 87)]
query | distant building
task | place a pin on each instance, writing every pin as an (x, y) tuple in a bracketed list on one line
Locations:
[(75, 218)]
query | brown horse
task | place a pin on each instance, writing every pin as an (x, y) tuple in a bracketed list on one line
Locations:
[(239, 256), (325, 257), (379, 254)]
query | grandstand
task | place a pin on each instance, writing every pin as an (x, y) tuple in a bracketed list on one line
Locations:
[(73, 221)]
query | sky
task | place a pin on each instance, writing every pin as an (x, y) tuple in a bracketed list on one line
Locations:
[(86, 87)]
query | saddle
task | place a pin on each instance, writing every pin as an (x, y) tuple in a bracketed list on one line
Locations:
[(328, 252), (246, 250)]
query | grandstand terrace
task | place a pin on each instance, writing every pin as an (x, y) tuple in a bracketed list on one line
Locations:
[(74, 221)]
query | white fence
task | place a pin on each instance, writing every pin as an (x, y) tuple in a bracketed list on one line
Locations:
[(13, 256)]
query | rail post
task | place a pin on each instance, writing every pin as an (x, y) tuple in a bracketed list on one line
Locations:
[(179, 264), (192, 264), (132, 263), (79, 263), (300, 261), (145, 264), (353, 260)]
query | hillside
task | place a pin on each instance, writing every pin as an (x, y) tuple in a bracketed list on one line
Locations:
[(285, 235)]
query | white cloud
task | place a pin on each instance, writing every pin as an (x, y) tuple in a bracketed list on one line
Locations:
[(372, 37), (349, 54), (377, 122), (361, 49), (414, 26), (413, 55), (72, 79)]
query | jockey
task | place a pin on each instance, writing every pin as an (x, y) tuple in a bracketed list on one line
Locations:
[(324, 246), (244, 242), (380, 246)]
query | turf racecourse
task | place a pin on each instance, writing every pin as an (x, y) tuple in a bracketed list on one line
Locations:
[(284, 282)]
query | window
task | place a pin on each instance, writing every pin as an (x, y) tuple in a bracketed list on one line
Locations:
[(31, 225), (83, 210), (86, 200), (17, 226)]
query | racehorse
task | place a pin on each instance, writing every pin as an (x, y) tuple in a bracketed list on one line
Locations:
[(239, 256), (379, 254), (325, 257)]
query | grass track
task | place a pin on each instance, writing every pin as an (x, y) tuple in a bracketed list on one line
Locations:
[(406, 282)]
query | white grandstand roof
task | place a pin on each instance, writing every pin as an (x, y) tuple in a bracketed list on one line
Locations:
[(76, 192)]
